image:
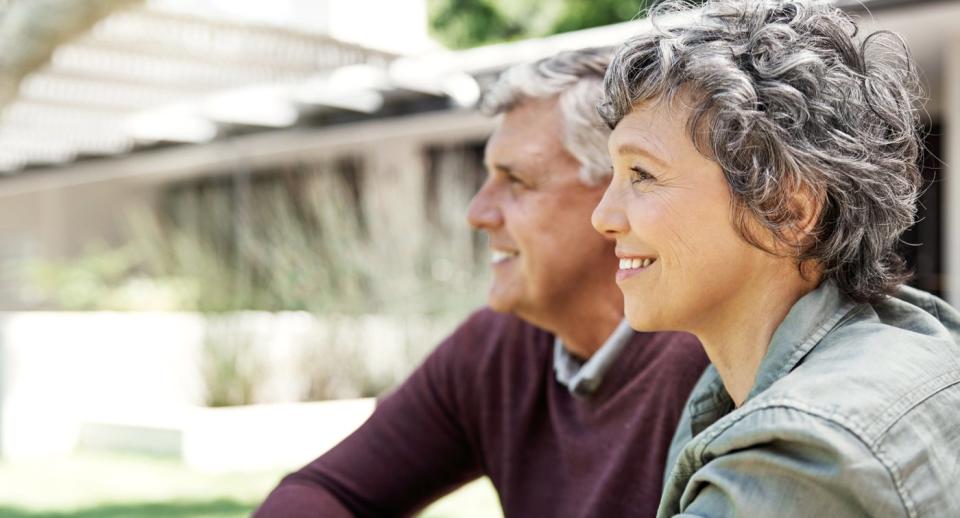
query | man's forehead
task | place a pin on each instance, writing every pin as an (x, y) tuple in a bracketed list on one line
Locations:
[(518, 150), (531, 112), (529, 132)]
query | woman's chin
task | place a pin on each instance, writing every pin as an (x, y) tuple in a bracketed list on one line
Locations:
[(642, 317)]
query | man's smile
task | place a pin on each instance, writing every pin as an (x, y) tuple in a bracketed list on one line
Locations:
[(498, 256)]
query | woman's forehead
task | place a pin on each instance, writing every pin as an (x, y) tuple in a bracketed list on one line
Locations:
[(655, 128)]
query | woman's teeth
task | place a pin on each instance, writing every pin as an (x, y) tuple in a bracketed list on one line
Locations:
[(633, 264)]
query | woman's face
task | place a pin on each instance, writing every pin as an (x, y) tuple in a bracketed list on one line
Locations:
[(684, 266)]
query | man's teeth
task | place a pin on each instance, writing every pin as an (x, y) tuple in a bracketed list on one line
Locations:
[(498, 256), (633, 264)]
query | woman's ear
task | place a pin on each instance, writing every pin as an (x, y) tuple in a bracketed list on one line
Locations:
[(805, 205)]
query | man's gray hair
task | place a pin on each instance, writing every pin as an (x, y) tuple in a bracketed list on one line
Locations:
[(576, 77), (787, 100)]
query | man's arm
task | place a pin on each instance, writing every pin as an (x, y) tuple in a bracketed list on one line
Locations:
[(412, 450)]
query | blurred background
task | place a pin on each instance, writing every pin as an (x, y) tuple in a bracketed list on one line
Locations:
[(226, 226)]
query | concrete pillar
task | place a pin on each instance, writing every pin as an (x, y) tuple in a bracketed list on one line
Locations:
[(951, 177), (393, 198)]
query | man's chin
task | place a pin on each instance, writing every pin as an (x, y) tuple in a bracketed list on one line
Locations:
[(502, 301), (500, 306)]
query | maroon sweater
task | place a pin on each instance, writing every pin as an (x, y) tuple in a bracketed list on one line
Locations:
[(486, 403)]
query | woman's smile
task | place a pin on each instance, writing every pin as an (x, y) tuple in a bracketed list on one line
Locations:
[(631, 266)]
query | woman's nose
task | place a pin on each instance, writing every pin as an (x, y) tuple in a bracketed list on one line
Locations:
[(609, 218)]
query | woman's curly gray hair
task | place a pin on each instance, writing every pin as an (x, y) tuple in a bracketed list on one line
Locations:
[(576, 77), (785, 97)]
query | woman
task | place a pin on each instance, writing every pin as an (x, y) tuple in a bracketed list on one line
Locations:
[(764, 168)]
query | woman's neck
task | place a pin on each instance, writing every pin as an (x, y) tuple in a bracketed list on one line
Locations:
[(736, 337)]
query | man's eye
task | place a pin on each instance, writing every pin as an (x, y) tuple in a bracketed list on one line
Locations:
[(638, 175), (516, 181)]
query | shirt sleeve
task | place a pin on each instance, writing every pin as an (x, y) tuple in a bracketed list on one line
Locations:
[(810, 467), (412, 450)]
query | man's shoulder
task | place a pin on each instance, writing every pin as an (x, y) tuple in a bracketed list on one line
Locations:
[(486, 320), (486, 335), (487, 325)]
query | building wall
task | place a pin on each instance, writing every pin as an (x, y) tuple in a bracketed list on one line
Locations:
[(58, 213), (59, 223)]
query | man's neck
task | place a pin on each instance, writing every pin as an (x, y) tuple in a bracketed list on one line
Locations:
[(585, 330)]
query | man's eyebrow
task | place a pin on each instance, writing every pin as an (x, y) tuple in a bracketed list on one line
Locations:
[(637, 150), (499, 166)]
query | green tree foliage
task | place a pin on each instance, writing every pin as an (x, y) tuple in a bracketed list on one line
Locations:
[(467, 23), (583, 14), (30, 30)]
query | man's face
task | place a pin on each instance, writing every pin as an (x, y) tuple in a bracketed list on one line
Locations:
[(536, 212)]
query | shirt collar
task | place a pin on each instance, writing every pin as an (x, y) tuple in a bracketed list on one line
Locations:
[(584, 378), (807, 322)]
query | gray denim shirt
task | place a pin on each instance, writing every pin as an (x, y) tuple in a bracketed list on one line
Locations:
[(855, 412)]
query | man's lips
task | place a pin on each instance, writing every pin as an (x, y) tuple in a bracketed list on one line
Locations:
[(498, 256)]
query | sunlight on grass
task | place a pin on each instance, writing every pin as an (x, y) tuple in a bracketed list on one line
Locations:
[(477, 499)]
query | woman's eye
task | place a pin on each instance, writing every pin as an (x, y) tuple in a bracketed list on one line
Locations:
[(638, 175)]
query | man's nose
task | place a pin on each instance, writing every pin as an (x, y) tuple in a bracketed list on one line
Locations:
[(484, 212)]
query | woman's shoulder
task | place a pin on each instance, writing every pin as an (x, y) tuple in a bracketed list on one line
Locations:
[(900, 432), (873, 370)]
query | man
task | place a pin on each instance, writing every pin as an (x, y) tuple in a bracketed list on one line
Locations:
[(548, 392)]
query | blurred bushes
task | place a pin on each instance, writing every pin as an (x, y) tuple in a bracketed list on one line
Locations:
[(291, 240), (330, 239)]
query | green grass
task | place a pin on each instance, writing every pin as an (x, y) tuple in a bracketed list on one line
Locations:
[(475, 500), (113, 486), (211, 509)]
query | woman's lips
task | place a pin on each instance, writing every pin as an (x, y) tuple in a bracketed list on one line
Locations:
[(630, 266)]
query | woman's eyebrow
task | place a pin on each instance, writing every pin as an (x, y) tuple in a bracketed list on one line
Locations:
[(628, 148)]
